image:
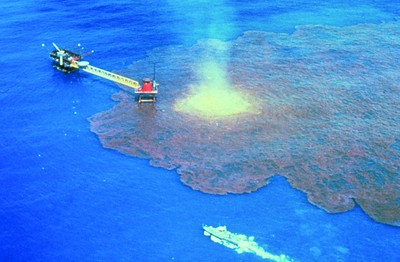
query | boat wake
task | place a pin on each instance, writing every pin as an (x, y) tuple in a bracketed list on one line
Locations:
[(240, 243)]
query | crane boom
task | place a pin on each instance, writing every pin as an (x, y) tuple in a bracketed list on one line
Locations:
[(111, 76)]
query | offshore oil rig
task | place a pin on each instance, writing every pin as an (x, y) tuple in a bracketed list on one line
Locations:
[(67, 61)]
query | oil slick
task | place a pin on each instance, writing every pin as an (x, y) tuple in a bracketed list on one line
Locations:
[(240, 243)]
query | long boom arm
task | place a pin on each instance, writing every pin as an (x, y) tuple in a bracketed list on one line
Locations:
[(110, 76)]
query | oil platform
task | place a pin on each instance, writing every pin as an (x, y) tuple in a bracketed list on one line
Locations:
[(67, 61)]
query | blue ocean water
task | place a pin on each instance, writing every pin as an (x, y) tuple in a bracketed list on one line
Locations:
[(66, 198)]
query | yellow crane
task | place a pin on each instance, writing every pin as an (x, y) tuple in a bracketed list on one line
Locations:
[(68, 61)]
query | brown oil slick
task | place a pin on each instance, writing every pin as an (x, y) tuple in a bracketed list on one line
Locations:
[(320, 107)]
